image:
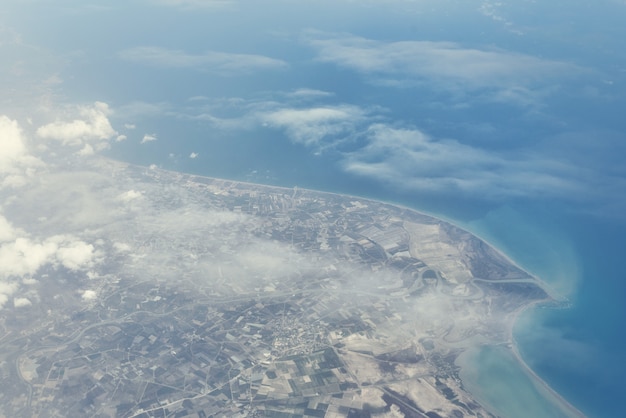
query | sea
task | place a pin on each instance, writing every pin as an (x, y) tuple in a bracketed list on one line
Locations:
[(575, 346)]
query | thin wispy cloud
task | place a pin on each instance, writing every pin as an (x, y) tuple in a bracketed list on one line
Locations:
[(308, 94), (493, 10), (411, 160), (446, 65), (142, 109), (408, 159), (296, 114), (368, 142), (198, 4), (148, 138), (311, 126), (215, 62)]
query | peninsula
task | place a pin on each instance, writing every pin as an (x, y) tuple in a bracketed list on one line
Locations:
[(214, 298)]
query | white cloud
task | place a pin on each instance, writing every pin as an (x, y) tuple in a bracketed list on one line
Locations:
[(16, 163), (449, 65), (193, 155), (13, 146), (13, 181), (24, 256), (121, 138), (305, 93), (266, 258), (129, 126), (87, 150), (75, 255), (21, 255), (148, 138), (411, 160), (21, 302), (122, 247), (259, 263), (221, 63), (370, 145), (132, 200), (92, 128), (310, 126), (408, 159), (130, 195), (89, 295), (7, 231), (6, 290)]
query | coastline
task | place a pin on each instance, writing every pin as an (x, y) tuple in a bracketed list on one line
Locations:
[(552, 394), (549, 393), (546, 391), (467, 362)]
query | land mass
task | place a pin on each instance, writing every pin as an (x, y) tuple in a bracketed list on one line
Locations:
[(210, 297)]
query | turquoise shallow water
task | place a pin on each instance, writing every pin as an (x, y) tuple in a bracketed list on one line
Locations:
[(494, 376), (577, 350), (558, 117)]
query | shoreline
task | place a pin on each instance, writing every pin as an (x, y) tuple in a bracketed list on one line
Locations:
[(547, 392), (552, 394), (442, 218), (465, 362)]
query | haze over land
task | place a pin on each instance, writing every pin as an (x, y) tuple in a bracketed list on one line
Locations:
[(504, 117), (162, 293)]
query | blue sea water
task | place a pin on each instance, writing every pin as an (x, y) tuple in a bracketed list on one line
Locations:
[(577, 350), (576, 347)]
